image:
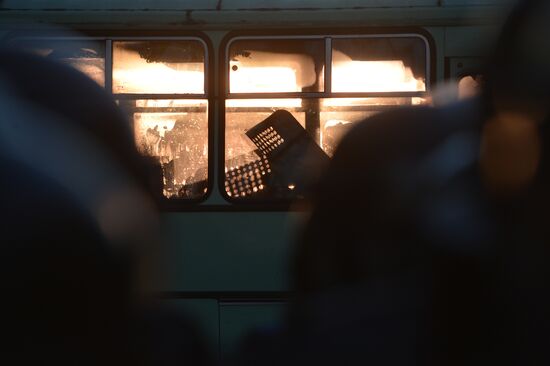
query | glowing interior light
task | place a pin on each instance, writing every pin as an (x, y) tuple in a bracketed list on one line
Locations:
[(373, 101), (419, 101), (264, 103), (133, 74), (263, 79), (334, 122), (157, 79), (269, 72), (373, 76), (170, 103)]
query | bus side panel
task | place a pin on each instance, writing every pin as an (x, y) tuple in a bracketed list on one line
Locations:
[(227, 251)]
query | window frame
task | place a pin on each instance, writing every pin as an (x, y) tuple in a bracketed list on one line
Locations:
[(172, 204), (107, 38), (366, 33)]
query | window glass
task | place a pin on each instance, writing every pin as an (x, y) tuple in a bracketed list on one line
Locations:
[(277, 148), (173, 131), (158, 67), (339, 114), (276, 66), (87, 56), (269, 154), (176, 133), (242, 115), (379, 65)]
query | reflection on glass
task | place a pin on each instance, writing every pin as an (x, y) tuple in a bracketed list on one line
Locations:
[(166, 67), (175, 132), (379, 65), (86, 56), (271, 66)]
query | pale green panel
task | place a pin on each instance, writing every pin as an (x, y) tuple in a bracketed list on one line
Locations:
[(470, 41), (111, 4), (203, 314), (438, 36), (461, 66), (321, 4), (226, 251), (239, 320), (347, 17), (476, 2)]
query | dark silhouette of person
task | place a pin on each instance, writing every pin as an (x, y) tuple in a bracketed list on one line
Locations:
[(428, 241), (77, 214)]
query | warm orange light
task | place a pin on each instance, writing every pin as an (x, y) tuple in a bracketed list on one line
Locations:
[(269, 72), (348, 76), (264, 103), (379, 101), (263, 80), (170, 103), (133, 74), (257, 74), (373, 76)]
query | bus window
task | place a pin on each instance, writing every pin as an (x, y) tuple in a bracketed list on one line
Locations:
[(286, 111), (339, 114), (288, 65), (174, 130), (379, 65), (87, 56), (158, 67)]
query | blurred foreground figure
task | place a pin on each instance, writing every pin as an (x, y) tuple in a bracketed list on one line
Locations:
[(77, 217), (429, 240)]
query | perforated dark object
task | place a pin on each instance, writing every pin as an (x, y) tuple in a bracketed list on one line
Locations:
[(275, 133), (296, 160), (289, 165), (249, 179)]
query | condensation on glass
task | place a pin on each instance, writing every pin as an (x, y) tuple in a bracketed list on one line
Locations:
[(174, 131), (86, 56), (163, 67), (284, 140)]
